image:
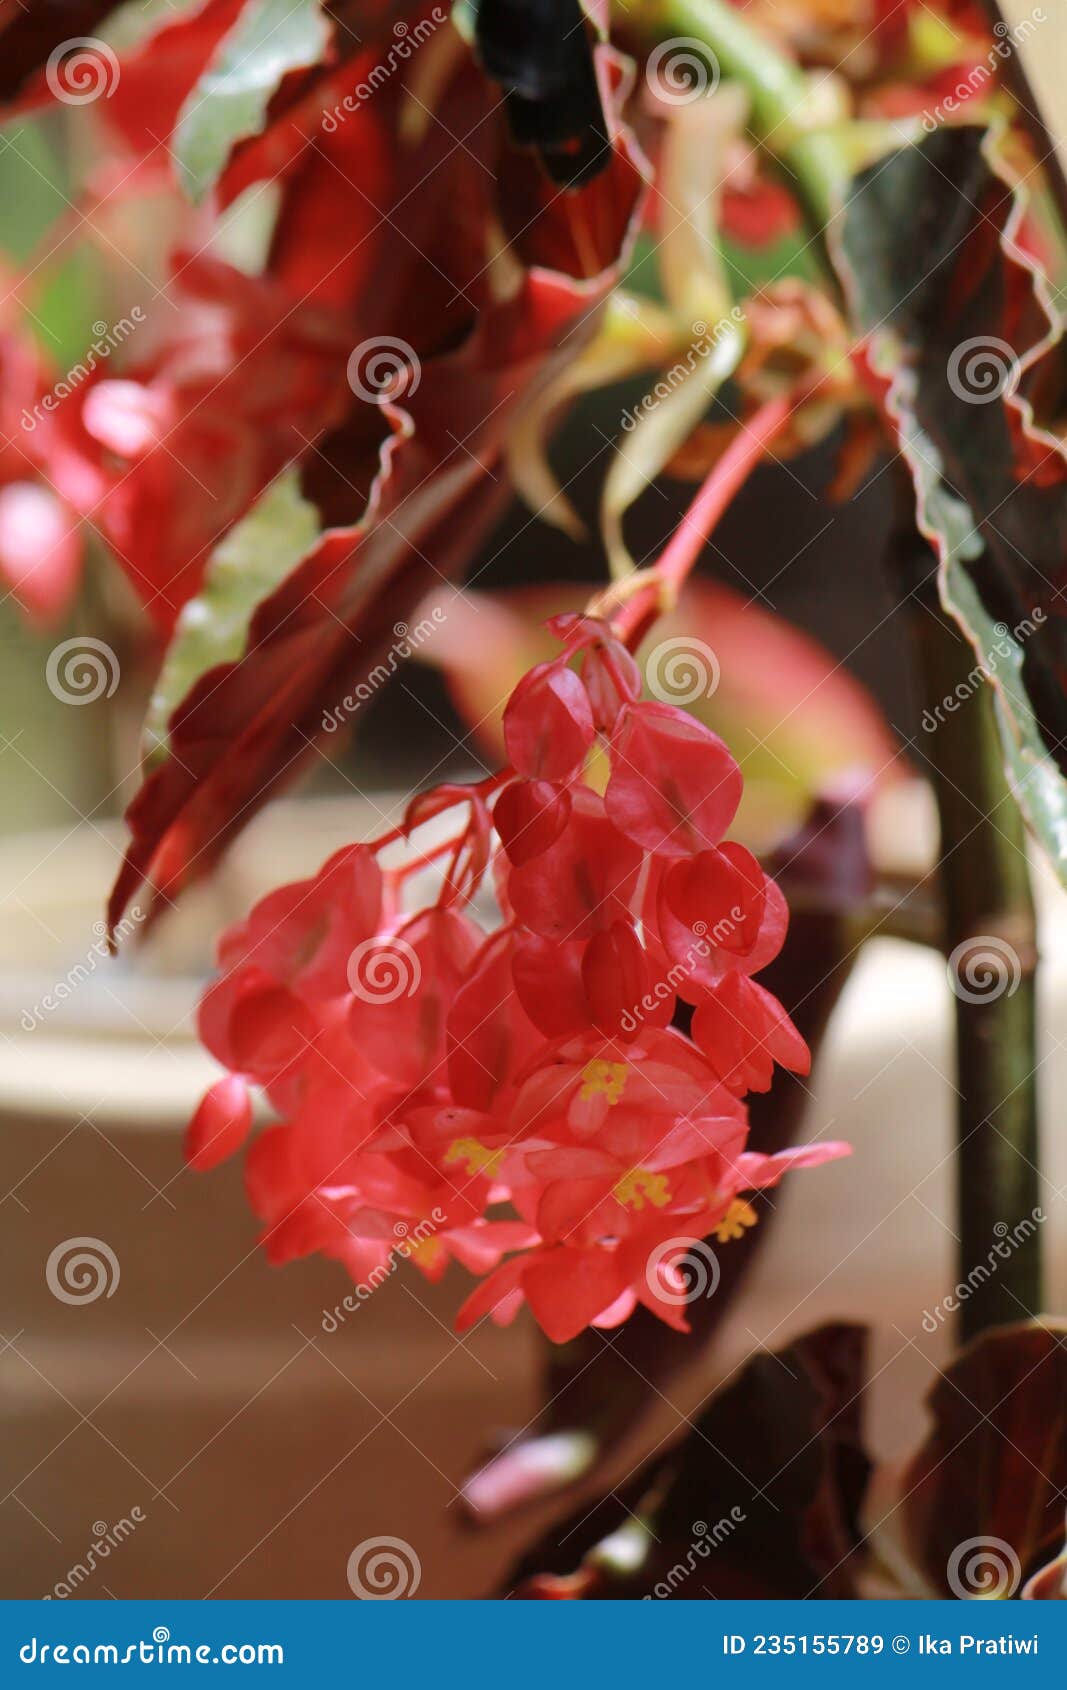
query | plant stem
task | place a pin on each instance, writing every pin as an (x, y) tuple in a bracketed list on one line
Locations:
[(991, 941), (649, 592), (985, 877), (779, 93)]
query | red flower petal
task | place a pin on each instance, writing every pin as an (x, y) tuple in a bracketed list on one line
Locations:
[(567, 1288), (403, 987), (583, 882), (719, 913), (529, 816), (674, 786), (616, 977), (720, 895), (548, 723), (220, 1125), (612, 679), (743, 1031), (548, 980), (254, 1025), (489, 1035)]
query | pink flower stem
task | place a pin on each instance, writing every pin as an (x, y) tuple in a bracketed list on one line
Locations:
[(665, 579)]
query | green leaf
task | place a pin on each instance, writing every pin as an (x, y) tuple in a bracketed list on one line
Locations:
[(962, 327), (254, 558), (229, 103), (697, 291), (635, 334), (1038, 785), (662, 422)]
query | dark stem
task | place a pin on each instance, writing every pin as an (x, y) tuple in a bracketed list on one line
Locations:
[(990, 939)]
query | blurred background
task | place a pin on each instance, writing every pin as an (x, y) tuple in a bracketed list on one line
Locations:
[(191, 1423)]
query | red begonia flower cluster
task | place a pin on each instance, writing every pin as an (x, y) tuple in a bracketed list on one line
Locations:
[(430, 1069)]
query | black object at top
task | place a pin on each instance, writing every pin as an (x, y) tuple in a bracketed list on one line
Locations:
[(541, 54)]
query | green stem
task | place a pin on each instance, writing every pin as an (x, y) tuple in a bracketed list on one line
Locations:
[(991, 940), (779, 93)]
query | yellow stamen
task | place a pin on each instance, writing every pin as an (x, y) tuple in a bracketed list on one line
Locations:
[(475, 1156), (427, 1251), (737, 1217), (641, 1184), (603, 1078)]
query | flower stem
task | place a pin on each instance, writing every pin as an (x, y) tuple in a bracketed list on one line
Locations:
[(650, 592), (780, 95), (990, 938)]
